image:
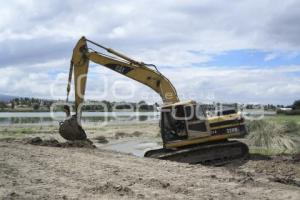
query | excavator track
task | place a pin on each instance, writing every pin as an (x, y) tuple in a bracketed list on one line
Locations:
[(215, 154)]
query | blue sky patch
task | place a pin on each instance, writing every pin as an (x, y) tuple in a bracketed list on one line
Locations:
[(251, 57)]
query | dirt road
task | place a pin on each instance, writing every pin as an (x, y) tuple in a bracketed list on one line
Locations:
[(36, 172)]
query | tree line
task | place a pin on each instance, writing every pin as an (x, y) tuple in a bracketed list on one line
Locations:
[(35, 104)]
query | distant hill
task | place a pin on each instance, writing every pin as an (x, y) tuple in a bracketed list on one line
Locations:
[(6, 98)]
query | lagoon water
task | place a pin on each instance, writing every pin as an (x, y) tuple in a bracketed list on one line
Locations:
[(10, 118)]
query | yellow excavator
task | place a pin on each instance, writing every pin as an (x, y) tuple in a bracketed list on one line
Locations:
[(188, 135)]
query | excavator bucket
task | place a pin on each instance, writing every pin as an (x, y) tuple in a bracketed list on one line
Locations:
[(71, 130)]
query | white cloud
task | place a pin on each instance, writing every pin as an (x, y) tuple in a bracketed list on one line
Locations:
[(37, 38), (268, 85), (270, 56), (172, 56), (136, 26), (238, 84)]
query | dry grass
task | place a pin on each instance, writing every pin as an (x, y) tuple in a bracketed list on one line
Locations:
[(270, 137)]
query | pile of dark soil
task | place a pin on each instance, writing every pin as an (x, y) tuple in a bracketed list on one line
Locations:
[(119, 134), (296, 158), (54, 143), (101, 139)]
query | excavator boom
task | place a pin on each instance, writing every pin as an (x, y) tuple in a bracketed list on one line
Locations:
[(124, 65), (138, 71)]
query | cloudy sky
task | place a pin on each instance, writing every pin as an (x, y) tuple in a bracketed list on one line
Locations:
[(231, 51)]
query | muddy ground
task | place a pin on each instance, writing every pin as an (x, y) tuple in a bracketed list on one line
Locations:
[(82, 172)]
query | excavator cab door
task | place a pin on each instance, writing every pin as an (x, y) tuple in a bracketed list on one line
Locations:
[(172, 124)]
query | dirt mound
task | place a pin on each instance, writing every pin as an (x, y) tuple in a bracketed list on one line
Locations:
[(13, 196), (296, 158), (54, 143), (287, 181), (283, 169), (8, 140), (101, 139), (137, 133), (120, 134)]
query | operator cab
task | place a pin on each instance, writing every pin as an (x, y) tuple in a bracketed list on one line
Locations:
[(183, 120)]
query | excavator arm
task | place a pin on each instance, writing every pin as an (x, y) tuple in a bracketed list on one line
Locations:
[(71, 129), (122, 64)]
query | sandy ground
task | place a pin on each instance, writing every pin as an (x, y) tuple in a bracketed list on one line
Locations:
[(39, 172)]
